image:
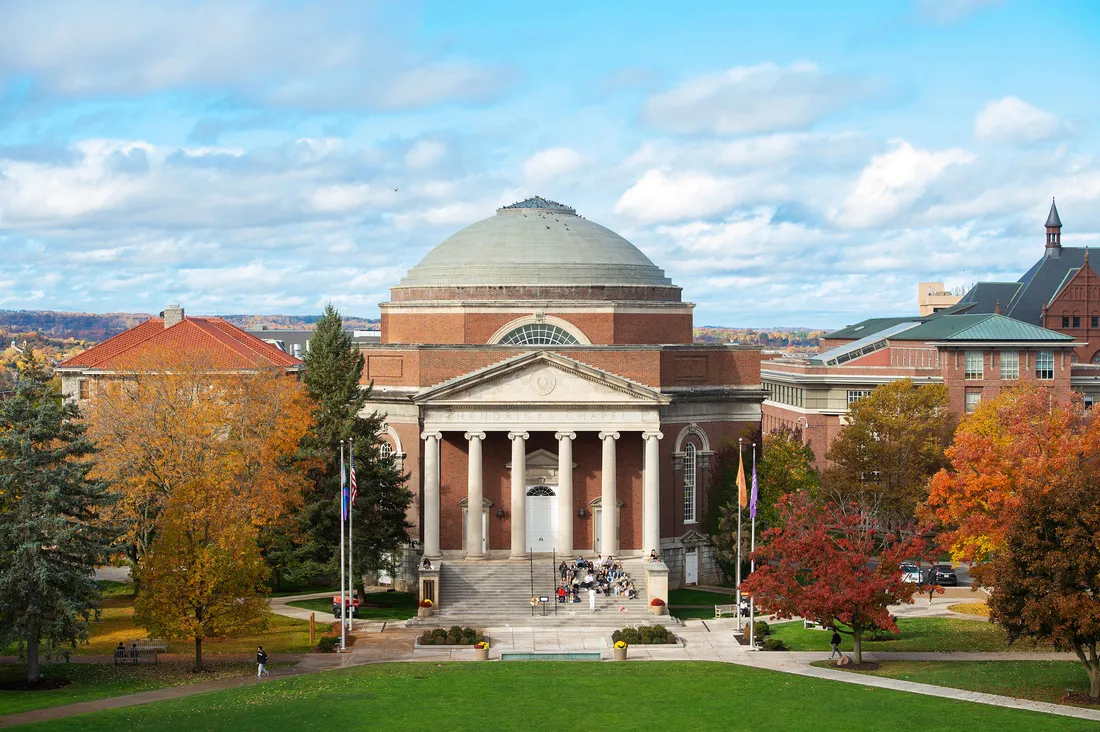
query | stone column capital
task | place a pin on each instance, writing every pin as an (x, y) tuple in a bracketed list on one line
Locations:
[(474, 436), (565, 436), (653, 433), (612, 434), (430, 435), (518, 436)]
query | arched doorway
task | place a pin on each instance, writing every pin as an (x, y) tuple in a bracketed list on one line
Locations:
[(542, 519)]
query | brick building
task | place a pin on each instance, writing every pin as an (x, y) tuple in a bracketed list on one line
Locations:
[(535, 370)]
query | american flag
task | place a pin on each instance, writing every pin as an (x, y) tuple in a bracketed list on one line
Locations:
[(354, 488)]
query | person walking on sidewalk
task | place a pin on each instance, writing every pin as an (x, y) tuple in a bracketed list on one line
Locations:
[(835, 643), (261, 663)]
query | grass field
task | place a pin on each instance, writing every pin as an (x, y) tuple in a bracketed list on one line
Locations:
[(971, 608), (1039, 680), (698, 597), (116, 623), (917, 634), (96, 681), (525, 696), (397, 606)]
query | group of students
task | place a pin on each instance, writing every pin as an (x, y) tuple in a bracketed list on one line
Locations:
[(603, 574)]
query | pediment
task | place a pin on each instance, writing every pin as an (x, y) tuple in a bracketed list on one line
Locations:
[(542, 378)]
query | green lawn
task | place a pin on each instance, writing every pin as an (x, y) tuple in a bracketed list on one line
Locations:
[(304, 591), (1039, 680), (917, 634), (698, 597), (96, 681), (525, 696), (396, 606)]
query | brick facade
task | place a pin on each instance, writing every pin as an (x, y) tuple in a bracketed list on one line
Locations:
[(1075, 309)]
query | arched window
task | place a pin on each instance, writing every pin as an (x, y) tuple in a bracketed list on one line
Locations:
[(689, 483), (540, 490), (538, 334), (385, 450), (1096, 357)]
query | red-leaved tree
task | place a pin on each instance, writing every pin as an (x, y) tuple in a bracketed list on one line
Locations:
[(827, 565)]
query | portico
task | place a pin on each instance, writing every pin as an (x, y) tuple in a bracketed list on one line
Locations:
[(548, 395)]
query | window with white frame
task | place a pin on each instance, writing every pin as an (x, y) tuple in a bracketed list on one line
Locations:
[(1044, 365), (973, 399), (689, 483), (1010, 364), (972, 368), (385, 450), (854, 395)]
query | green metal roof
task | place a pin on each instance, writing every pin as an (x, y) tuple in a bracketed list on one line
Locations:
[(867, 327), (979, 327)]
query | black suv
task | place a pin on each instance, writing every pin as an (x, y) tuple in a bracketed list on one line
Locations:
[(943, 575)]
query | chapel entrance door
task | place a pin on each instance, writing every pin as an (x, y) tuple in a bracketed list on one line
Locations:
[(542, 524), (691, 566)]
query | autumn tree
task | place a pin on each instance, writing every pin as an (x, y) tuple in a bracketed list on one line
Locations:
[(1048, 570), (1022, 437), (334, 369), (203, 576), (894, 441), (51, 534), (175, 420), (783, 467), (828, 565)]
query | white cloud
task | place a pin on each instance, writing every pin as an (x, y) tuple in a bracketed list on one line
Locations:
[(425, 154), (662, 197), (747, 99), (545, 165), (893, 181), (337, 198), (1012, 120)]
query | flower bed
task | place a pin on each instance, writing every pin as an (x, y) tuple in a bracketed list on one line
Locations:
[(646, 635), (453, 636)]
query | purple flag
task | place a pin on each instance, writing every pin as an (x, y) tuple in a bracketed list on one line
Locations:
[(755, 490), (343, 488)]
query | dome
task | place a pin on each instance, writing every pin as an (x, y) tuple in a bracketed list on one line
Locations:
[(535, 242)]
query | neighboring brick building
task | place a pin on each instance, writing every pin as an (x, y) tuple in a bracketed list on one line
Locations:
[(173, 331), (541, 367)]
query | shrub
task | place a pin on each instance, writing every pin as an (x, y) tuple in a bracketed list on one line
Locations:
[(761, 629), (774, 644), (455, 636), (327, 644), (645, 635)]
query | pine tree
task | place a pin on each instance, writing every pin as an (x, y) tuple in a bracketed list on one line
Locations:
[(334, 367), (51, 536)]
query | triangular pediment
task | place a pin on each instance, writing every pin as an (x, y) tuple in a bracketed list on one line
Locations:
[(542, 378)]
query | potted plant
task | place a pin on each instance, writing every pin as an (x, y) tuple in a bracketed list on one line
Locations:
[(425, 609), (620, 650), (481, 648), (657, 606)]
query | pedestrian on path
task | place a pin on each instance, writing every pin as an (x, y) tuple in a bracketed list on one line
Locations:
[(835, 642), (261, 662), (592, 599)]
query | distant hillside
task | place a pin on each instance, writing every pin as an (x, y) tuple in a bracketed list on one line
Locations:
[(96, 328), (794, 340)]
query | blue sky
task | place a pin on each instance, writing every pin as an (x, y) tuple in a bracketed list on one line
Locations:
[(787, 163)]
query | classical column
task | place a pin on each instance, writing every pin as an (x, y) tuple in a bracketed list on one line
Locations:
[(651, 495), (519, 494), (431, 493), (474, 496), (608, 499), (565, 492)]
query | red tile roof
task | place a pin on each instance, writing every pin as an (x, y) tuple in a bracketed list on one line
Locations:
[(231, 344)]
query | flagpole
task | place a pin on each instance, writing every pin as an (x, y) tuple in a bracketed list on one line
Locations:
[(752, 550), (738, 583), (343, 607), (351, 575)]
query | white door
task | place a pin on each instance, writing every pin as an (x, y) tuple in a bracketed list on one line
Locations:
[(691, 566), (541, 519), (484, 530)]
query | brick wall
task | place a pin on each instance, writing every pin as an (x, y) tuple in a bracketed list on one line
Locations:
[(491, 293), (1080, 298), (953, 370), (689, 367)]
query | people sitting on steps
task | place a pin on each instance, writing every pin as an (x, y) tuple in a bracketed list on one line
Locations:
[(605, 576)]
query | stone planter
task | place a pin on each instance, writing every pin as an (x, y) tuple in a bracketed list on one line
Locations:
[(658, 609), (620, 653), (424, 612), (482, 654)]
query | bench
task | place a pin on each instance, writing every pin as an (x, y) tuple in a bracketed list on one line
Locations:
[(723, 610), (134, 656), (811, 625)]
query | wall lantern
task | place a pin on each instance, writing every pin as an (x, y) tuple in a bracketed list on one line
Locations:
[(581, 512), (500, 512)]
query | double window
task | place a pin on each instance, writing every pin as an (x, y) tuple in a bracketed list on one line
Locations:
[(854, 395), (1044, 365), (1010, 364), (689, 483), (973, 399), (972, 367)]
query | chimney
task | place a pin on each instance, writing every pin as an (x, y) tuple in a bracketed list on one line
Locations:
[(172, 314)]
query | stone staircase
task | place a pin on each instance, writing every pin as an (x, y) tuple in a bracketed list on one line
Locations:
[(498, 593)]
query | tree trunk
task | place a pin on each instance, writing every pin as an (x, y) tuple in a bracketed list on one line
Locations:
[(1094, 682), (198, 654), (32, 656), (857, 645)]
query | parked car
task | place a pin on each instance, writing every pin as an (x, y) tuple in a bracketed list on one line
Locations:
[(910, 573), (354, 606), (943, 575)]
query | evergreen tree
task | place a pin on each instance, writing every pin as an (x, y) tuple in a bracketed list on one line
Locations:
[(334, 367), (51, 537)]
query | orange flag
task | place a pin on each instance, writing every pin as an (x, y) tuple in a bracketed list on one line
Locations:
[(742, 493)]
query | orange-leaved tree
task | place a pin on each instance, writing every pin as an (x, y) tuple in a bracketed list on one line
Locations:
[(1021, 438), (179, 419)]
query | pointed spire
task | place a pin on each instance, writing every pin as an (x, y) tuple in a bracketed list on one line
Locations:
[(1052, 218)]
